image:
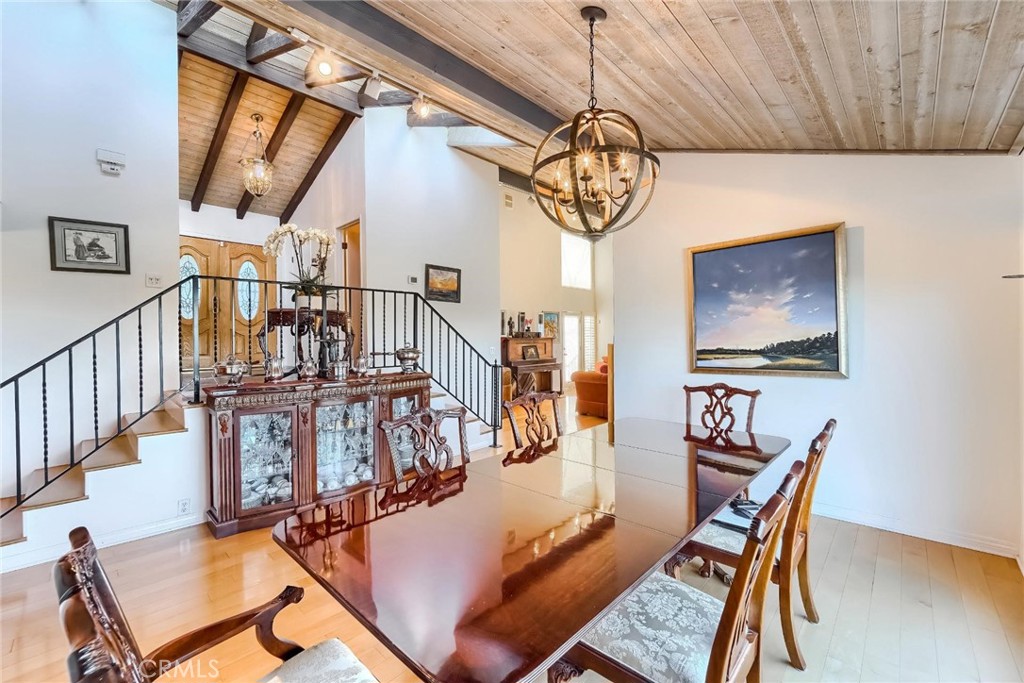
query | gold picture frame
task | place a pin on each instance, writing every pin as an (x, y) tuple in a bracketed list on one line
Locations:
[(717, 348)]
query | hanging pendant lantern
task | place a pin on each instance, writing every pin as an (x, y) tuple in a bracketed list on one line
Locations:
[(257, 172), (603, 178)]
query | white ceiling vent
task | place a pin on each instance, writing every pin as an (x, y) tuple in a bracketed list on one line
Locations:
[(508, 200)]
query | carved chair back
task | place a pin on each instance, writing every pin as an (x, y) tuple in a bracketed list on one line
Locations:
[(736, 641), (435, 464), (800, 514), (538, 426), (719, 413), (103, 649)]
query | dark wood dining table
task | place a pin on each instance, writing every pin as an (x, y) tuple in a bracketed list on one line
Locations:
[(496, 582)]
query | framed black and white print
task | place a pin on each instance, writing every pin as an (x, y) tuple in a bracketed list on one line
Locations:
[(88, 246), (770, 305)]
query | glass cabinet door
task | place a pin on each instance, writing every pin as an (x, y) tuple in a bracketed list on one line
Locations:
[(265, 459), (344, 446), (400, 407)]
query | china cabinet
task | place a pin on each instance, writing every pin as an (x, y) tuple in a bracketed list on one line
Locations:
[(277, 448)]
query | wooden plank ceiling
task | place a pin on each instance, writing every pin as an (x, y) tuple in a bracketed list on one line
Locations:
[(826, 76), (205, 98), (823, 75)]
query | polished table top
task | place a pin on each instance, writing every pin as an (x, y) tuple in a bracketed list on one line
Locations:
[(495, 582)]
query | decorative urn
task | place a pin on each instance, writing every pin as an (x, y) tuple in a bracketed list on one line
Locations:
[(230, 370), (407, 357)]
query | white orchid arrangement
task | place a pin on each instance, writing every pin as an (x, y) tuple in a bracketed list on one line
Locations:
[(318, 244)]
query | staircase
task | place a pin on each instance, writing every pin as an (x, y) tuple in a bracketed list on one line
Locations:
[(128, 363)]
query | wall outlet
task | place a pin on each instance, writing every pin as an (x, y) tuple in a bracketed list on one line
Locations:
[(413, 280), (154, 281), (184, 507)]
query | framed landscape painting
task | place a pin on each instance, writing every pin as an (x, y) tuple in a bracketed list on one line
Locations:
[(770, 305), (443, 284)]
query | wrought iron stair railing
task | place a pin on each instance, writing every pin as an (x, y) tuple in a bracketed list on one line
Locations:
[(136, 362)]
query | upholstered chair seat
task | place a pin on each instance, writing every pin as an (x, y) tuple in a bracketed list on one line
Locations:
[(664, 631), (722, 538), (327, 662)]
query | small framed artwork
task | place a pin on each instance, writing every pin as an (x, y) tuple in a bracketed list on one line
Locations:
[(88, 246), (550, 324), (770, 305), (443, 284), (530, 352)]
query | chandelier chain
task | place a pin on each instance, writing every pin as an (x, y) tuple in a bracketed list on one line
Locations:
[(592, 103)]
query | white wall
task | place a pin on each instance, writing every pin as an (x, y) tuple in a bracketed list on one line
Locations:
[(604, 292), (427, 203), (74, 80), (219, 223), (929, 435)]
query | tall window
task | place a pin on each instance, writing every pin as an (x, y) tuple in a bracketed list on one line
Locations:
[(589, 342), (577, 262)]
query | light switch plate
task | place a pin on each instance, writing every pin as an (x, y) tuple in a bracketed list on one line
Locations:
[(154, 281)]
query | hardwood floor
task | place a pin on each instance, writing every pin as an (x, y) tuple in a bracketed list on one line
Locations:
[(893, 608)]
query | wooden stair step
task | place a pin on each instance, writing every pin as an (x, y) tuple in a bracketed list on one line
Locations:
[(157, 422), (11, 528), (117, 452), (68, 489)]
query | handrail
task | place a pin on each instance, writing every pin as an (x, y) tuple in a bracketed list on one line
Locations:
[(450, 355)]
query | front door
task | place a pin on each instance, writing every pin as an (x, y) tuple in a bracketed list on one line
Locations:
[(231, 311)]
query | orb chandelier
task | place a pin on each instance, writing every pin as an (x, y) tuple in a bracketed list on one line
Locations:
[(603, 177), (257, 171)]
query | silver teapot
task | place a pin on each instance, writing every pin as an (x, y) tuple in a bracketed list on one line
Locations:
[(308, 369), (362, 366), (274, 366), (230, 370), (407, 357)]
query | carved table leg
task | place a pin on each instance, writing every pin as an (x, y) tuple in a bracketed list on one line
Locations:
[(563, 671), (675, 562), (723, 575)]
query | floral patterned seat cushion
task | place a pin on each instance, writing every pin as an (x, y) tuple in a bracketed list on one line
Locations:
[(720, 537), (664, 631), (327, 662)]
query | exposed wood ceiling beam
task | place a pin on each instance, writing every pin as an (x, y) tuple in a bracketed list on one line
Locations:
[(220, 134), (332, 143), (395, 98), (437, 119), (371, 39), (284, 124), (193, 14), (475, 136), (264, 44), (216, 48)]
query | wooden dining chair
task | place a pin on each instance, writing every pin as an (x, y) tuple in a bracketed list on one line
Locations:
[(720, 542), (538, 425), (103, 649), (718, 413), (437, 470), (670, 632)]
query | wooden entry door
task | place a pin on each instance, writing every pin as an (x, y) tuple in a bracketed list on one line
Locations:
[(230, 314)]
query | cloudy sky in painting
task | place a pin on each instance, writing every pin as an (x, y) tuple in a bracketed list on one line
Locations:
[(757, 294)]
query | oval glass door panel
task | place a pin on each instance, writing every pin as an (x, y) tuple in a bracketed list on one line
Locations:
[(187, 267), (248, 292)]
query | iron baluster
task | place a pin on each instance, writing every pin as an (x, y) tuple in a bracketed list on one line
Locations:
[(181, 343), (232, 302), (160, 339), (495, 406), (195, 339), (216, 311), (95, 396), (71, 403), (46, 435), (249, 316), (17, 440), (117, 360), (142, 408)]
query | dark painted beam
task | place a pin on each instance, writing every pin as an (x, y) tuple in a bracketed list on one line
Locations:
[(284, 124), (370, 26), (193, 14), (224, 51), (220, 134), (437, 119), (394, 98), (264, 44), (332, 143)]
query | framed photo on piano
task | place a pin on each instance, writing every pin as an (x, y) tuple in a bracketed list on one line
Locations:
[(530, 352)]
